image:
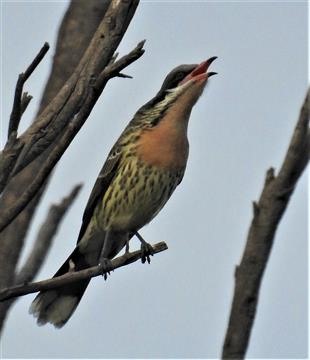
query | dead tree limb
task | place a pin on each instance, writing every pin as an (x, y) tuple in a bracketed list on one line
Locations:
[(93, 93), (21, 100), (77, 28), (71, 277), (76, 31), (19, 104), (70, 99), (267, 215)]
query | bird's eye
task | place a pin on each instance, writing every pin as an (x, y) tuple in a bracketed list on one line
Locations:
[(181, 77)]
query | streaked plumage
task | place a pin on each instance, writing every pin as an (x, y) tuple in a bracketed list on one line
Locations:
[(141, 172)]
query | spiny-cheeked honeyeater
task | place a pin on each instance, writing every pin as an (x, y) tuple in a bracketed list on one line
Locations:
[(141, 172)]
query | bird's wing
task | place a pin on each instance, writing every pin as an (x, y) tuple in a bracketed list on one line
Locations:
[(102, 183)]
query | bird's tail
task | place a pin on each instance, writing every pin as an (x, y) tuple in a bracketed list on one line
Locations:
[(57, 305)]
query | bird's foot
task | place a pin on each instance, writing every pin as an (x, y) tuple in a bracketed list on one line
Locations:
[(146, 251), (105, 265)]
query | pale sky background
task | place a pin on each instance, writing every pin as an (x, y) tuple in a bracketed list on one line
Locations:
[(179, 305)]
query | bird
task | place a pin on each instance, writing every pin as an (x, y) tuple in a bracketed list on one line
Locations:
[(141, 172)]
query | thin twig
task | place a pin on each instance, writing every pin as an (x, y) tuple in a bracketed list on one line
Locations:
[(36, 61), (267, 215), (9, 214), (18, 108), (45, 237), (114, 69), (71, 277), (125, 76)]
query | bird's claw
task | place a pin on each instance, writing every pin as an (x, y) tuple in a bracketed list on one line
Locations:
[(105, 264), (146, 251)]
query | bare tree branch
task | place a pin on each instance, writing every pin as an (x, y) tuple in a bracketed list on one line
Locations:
[(71, 277), (21, 100), (45, 237), (23, 77), (8, 215), (267, 215), (70, 99), (8, 157), (77, 28), (114, 69)]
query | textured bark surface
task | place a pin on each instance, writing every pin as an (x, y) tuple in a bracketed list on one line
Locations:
[(267, 215), (70, 113), (77, 28)]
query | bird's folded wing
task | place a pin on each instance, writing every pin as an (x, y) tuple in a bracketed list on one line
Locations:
[(103, 181)]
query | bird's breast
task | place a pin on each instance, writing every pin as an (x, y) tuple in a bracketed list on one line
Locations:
[(165, 146)]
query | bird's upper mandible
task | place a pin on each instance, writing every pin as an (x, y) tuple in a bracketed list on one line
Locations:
[(186, 72)]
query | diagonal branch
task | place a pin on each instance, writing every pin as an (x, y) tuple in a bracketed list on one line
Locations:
[(80, 21), (267, 215), (71, 97), (69, 278), (114, 69), (9, 214), (51, 122), (45, 237), (13, 146), (18, 104)]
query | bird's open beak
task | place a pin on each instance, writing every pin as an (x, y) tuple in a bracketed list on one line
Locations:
[(200, 71)]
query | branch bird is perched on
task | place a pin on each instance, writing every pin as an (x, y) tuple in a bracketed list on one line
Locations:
[(141, 172)]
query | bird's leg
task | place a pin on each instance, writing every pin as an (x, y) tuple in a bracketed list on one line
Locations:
[(146, 249), (104, 261), (127, 245)]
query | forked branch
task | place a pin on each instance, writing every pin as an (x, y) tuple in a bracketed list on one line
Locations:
[(70, 99), (93, 93)]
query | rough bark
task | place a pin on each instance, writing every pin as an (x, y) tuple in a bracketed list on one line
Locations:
[(90, 93), (77, 29)]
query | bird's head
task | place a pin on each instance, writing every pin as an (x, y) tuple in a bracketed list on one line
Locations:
[(182, 86)]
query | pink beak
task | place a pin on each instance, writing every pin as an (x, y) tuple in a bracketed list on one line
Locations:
[(200, 71)]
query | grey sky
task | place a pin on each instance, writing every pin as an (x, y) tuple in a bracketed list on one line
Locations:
[(178, 306)]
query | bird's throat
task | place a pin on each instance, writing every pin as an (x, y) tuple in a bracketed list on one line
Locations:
[(166, 145)]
